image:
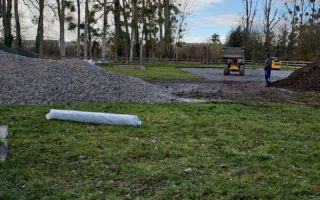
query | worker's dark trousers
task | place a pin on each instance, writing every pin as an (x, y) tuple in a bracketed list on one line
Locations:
[(267, 76)]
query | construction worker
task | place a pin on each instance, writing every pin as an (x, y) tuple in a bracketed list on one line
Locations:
[(267, 69)]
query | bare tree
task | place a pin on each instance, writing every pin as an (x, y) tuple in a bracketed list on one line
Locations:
[(250, 12), (160, 19), (1, 8), (86, 21), (78, 28), (104, 31), (61, 14), (8, 38), (126, 33), (292, 7), (271, 19), (118, 30), (134, 28), (303, 11), (314, 12), (250, 7), (17, 20), (182, 16), (167, 27), (39, 37)]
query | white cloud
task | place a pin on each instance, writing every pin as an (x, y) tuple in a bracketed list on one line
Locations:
[(193, 39), (194, 5), (224, 20)]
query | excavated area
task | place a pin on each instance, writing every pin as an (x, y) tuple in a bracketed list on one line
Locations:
[(214, 86), (304, 79)]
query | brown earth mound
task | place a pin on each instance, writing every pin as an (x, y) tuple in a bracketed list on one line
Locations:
[(306, 79)]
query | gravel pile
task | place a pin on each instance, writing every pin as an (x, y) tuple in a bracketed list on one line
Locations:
[(38, 81)]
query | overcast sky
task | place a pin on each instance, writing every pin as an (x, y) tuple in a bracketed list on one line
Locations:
[(206, 18)]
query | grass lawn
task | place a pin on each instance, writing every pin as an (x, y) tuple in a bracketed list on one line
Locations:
[(182, 151), (163, 72)]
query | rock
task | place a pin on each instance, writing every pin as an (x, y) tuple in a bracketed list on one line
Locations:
[(188, 170)]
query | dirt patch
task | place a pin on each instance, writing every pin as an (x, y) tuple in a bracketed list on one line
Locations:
[(206, 90), (306, 79)]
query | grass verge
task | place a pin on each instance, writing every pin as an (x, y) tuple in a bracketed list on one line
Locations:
[(183, 151), (163, 72)]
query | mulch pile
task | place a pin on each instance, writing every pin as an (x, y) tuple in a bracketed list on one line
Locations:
[(305, 79)]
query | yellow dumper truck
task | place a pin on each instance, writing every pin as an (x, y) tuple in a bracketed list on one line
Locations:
[(276, 64), (234, 60)]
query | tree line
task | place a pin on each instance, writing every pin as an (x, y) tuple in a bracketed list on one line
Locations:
[(155, 28), (290, 31), (139, 28)]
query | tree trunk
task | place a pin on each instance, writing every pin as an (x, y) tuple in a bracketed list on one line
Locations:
[(39, 37), (89, 40), (160, 10), (1, 9), (136, 52), (85, 46), (145, 31), (134, 29), (61, 14), (78, 29), (104, 34), (141, 49), (160, 21), (17, 19), (168, 28), (126, 25), (8, 38), (118, 30)]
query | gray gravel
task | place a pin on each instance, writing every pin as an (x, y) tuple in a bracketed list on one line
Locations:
[(39, 81), (252, 75)]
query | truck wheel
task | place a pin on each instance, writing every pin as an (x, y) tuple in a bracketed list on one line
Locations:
[(226, 70), (242, 70)]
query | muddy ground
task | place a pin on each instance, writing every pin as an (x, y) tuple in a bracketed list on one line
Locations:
[(214, 86)]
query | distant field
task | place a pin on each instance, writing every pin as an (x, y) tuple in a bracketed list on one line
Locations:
[(182, 151), (163, 72)]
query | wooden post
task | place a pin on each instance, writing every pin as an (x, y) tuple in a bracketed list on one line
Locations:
[(3, 143)]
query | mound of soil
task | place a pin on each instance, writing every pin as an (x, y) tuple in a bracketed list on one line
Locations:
[(35, 81), (305, 79)]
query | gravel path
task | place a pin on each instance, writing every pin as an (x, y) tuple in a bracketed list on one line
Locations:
[(252, 75), (39, 81)]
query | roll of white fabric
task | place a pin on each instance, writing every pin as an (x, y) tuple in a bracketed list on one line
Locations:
[(95, 118)]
